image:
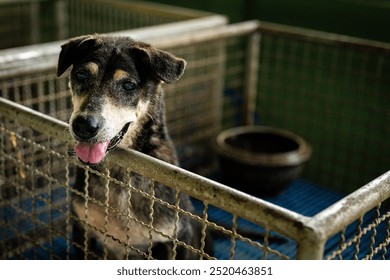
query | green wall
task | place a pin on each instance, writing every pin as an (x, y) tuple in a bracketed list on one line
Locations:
[(360, 18)]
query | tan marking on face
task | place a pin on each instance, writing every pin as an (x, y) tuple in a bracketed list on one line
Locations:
[(77, 102), (93, 68), (120, 74)]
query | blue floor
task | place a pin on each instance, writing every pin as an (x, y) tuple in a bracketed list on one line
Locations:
[(305, 198)]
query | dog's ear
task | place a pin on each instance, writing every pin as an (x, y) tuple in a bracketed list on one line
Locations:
[(166, 67), (74, 50)]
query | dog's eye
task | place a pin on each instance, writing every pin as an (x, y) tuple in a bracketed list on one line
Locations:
[(129, 86), (81, 76)]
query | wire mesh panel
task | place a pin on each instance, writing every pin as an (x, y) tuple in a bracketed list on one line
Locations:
[(42, 91), (36, 21), (332, 90), (32, 204), (13, 18), (372, 229)]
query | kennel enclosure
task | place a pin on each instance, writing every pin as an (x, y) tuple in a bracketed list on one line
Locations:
[(252, 73)]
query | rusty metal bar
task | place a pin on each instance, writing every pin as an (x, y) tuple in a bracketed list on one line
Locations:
[(248, 207), (352, 207), (323, 37), (311, 244), (39, 121)]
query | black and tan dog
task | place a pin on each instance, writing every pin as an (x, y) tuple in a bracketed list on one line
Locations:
[(118, 101)]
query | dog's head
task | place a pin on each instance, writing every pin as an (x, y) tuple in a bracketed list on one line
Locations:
[(113, 81)]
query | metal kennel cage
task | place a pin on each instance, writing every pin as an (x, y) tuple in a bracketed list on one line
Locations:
[(25, 22), (244, 73)]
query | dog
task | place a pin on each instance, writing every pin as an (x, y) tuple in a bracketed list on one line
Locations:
[(117, 99)]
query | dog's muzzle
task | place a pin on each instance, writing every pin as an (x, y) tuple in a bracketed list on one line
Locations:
[(93, 153)]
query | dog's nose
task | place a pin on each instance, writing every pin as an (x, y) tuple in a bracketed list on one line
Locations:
[(85, 127)]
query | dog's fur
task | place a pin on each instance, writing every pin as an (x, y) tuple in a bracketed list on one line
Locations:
[(116, 89)]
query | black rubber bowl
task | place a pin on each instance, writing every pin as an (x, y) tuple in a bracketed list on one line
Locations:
[(260, 160)]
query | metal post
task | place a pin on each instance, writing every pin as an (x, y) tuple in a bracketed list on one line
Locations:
[(62, 19), (252, 72), (34, 22)]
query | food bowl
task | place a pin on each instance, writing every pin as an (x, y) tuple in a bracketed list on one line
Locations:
[(260, 160)]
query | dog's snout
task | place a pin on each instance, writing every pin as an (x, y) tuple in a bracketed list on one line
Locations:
[(85, 127)]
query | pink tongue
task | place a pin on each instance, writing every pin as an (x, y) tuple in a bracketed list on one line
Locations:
[(92, 153)]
